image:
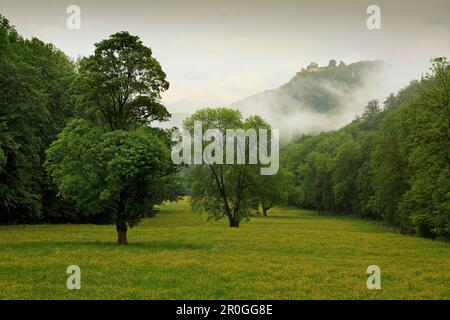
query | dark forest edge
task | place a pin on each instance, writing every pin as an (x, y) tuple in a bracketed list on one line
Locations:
[(391, 164)]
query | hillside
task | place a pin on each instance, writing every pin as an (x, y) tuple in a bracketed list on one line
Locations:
[(319, 89), (319, 98)]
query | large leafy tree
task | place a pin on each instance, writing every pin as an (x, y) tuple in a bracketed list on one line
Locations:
[(112, 163), (225, 190), (119, 174)]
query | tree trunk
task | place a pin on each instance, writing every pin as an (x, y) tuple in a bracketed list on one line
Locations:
[(264, 212), (234, 223), (121, 234)]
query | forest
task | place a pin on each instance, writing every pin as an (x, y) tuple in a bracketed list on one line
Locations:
[(77, 145)]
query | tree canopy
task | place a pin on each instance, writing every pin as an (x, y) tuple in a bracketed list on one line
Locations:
[(35, 80), (120, 85), (225, 190)]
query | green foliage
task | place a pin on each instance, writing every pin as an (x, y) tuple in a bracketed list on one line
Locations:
[(34, 105), (373, 107), (2, 158), (347, 158), (427, 121), (120, 85), (272, 190)]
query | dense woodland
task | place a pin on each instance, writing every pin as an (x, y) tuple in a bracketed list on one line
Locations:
[(35, 103), (76, 145)]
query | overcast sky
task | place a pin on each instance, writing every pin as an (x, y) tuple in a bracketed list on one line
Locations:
[(216, 52)]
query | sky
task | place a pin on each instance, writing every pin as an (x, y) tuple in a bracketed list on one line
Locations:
[(217, 52)]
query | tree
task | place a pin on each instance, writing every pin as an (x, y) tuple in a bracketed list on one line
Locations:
[(347, 163), (272, 190), (121, 84), (120, 174), (316, 172), (224, 190), (373, 107), (332, 63), (390, 168), (112, 163)]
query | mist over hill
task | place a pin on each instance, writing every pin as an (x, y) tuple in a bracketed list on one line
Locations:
[(319, 98)]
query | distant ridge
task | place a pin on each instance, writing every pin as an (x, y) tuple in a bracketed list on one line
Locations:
[(317, 89), (317, 98)]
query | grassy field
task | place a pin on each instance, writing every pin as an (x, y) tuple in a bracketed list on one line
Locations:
[(292, 254)]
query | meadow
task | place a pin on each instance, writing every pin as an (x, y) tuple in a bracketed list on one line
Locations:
[(291, 254)]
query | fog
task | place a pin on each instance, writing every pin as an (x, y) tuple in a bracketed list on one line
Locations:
[(298, 120)]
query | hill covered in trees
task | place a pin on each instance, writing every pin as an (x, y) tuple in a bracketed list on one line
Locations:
[(319, 98)]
